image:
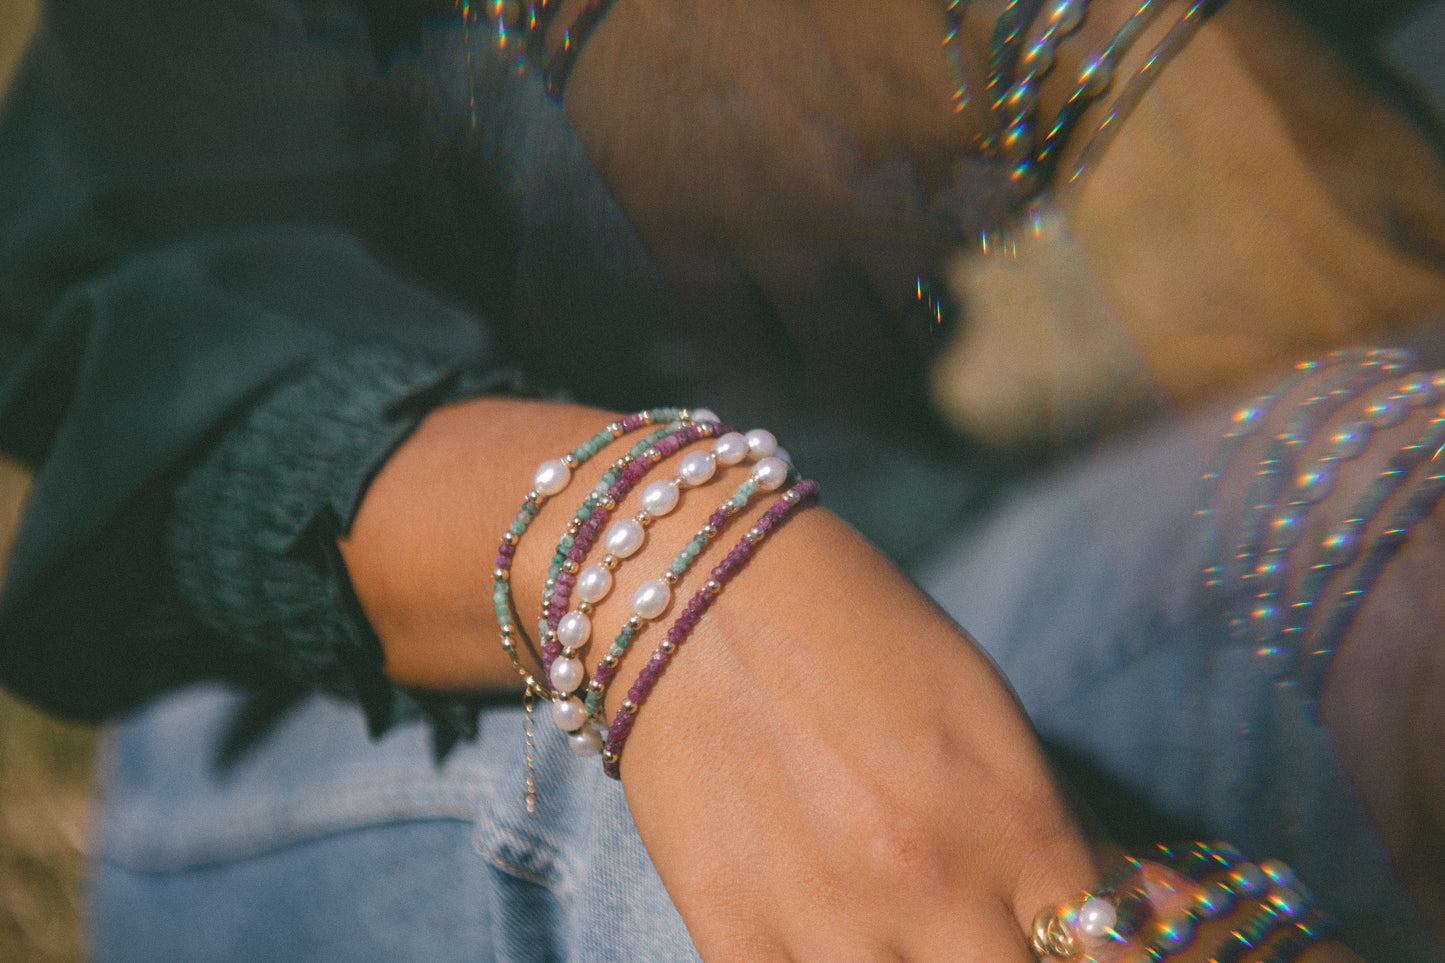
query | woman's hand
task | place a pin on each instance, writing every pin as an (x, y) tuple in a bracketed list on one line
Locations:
[(828, 770)]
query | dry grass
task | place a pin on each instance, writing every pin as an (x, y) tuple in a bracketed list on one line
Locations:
[(44, 825), (45, 804), (45, 765), (17, 19)]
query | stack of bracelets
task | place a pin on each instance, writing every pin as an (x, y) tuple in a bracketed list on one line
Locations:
[(1158, 904), (1025, 44), (565, 628), (1024, 48), (1296, 626), (520, 28)]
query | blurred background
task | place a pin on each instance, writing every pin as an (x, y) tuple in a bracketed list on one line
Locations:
[(44, 763)]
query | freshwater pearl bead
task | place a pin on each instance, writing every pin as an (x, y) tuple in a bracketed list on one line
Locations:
[(1287, 904), (704, 414), (625, 537), (697, 467), (1037, 58), (1017, 142), (593, 584), (1421, 390), (1214, 901), (1097, 918), (565, 675), (552, 476), (569, 714), (1343, 544), (1096, 77), (730, 448), (1387, 412), (761, 443), (782, 455), (652, 598), (1266, 621), (1313, 484), (1280, 874), (1066, 15), (660, 497), (1172, 935), (770, 473), (1349, 441), (573, 630), (1021, 97), (586, 741), (1249, 880), (1287, 529)]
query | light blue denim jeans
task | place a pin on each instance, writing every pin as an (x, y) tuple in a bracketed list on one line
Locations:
[(316, 843)]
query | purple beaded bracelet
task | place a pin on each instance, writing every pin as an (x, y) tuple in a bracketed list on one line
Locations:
[(700, 602)]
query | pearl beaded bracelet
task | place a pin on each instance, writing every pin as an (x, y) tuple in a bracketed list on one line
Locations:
[(552, 478), (649, 602), (623, 539), (1282, 493), (1022, 55), (1271, 620)]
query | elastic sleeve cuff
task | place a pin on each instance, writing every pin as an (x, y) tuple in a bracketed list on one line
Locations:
[(251, 536)]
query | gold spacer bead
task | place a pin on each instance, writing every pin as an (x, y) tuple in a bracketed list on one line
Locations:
[(609, 660), (1052, 939), (570, 567), (610, 562), (667, 646), (610, 756), (629, 707), (571, 460), (635, 622), (596, 687), (509, 537), (534, 496), (501, 575), (609, 503), (643, 518), (712, 586), (584, 608), (709, 531), (671, 577)]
